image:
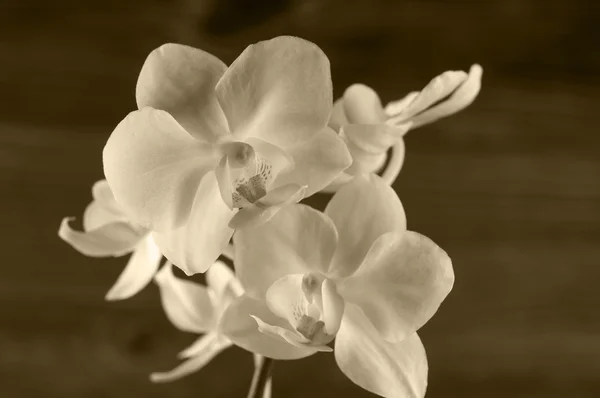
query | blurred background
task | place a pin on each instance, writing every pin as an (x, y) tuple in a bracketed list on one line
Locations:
[(510, 188)]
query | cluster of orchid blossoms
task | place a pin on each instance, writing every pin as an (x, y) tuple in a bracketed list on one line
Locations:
[(213, 165)]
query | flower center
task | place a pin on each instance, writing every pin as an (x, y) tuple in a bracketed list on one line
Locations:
[(248, 191), (309, 315), (244, 175), (313, 330), (250, 184)]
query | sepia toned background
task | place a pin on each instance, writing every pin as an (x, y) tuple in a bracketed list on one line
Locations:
[(510, 188)]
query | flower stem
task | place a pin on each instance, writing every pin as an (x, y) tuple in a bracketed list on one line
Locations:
[(262, 375)]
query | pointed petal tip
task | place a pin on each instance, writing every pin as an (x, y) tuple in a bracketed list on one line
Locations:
[(191, 272), (111, 240), (476, 68), (113, 296), (123, 290), (63, 229)]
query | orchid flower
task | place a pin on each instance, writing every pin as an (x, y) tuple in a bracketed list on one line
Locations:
[(213, 148), (108, 232), (198, 309), (370, 129), (354, 274)]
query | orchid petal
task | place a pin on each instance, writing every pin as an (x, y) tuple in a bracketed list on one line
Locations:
[(195, 246), (238, 326), (188, 367), (193, 364), (283, 195), (277, 90), (362, 105), (437, 89), (181, 80), (98, 215), (297, 240), (318, 162), (221, 280), (395, 107), (380, 211), (140, 269), (464, 95), (200, 345), (186, 304), (115, 239), (103, 209), (338, 117), (266, 207), (154, 168), (401, 283), (392, 370)]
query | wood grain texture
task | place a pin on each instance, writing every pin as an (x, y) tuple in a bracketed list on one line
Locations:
[(510, 188)]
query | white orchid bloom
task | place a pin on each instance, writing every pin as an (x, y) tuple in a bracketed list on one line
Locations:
[(197, 309), (354, 274), (108, 232), (370, 129), (209, 140)]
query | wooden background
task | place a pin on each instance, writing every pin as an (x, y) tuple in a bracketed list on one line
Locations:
[(510, 188)]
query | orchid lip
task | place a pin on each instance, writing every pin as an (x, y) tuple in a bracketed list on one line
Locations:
[(248, 190), (313, 330)]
